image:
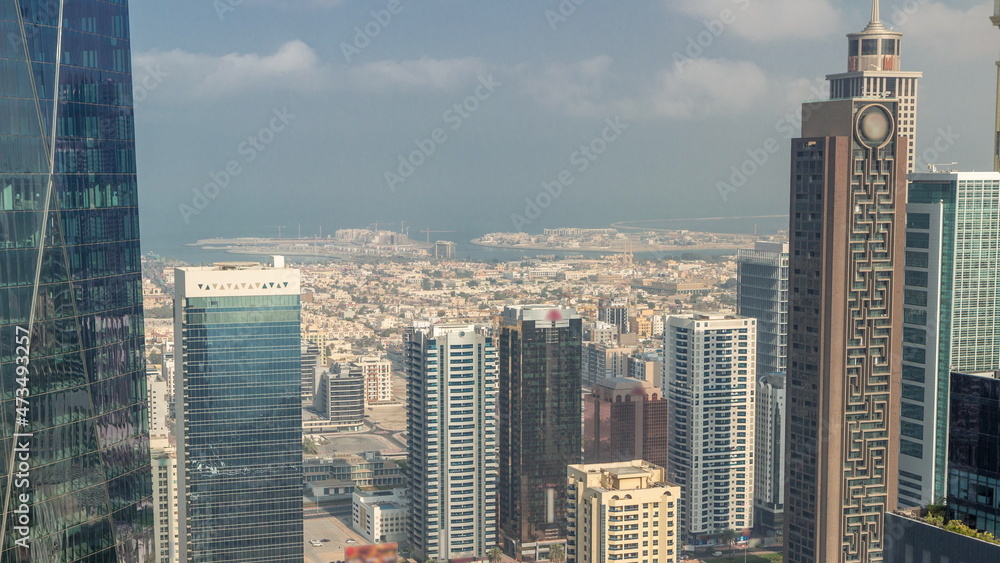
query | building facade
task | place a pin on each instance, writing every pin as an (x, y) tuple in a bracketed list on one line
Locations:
[(380, 516), (951, 315), (616, 312), (847, 236), (165, 495), (623, 420), (340, 399), (769, 475), (378, 379), (540, 427), (239, 417), (609, 503), (71, 319), (710, 383), (453, 450), (601, 361), (762, 294), (974, 451)]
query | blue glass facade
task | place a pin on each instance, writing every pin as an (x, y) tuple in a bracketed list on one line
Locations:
[(70, 286), (242, 435)]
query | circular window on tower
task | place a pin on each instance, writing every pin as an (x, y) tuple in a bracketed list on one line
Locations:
[(875, 126)]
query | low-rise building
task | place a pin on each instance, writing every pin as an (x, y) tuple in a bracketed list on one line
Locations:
[(609, 503), (380, 516), (337, 477)]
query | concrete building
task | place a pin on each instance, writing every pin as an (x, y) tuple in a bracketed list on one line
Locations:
[(625, 419), (601, 333), (378, 379), (995, 20), (310, 367), (540, 426), (451, 419), (445, 250), (616, 312), (912, 540), (762, 294), (951, 314), (165, 494), (340, 399), (239, 417), (848, 191), (380, 516), (710, 382), (769, 473), (609, 503), (159, 406), (647, 366), (601, 361), (337, 477)]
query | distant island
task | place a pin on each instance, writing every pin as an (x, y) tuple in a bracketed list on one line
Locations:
[(614, 241)]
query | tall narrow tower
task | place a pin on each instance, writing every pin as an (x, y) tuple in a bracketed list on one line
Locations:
[(845, 346), (996, 152), (873, 71)]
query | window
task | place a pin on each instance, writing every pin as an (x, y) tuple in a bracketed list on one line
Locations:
[(918, 240), (918, 221), (916, 278), (869, 46), (910, 410), (915, 297), (913, 392)]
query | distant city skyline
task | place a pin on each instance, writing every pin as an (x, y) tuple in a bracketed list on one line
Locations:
[(203, 92)]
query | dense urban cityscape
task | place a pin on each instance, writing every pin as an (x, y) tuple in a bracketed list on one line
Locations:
[(824, 392)]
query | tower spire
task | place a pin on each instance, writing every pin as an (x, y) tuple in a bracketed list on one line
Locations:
[(876, 17)]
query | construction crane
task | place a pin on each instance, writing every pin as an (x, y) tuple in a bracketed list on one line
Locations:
[(428, 231)]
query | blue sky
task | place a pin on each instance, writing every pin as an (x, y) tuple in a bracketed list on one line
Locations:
[(254, 102)]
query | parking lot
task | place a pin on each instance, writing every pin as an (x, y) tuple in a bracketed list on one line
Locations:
[(334, 529)]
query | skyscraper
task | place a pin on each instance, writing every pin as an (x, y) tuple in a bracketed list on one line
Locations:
[(710, 382), (974, 450), (769, 455), (762, 294), (625, 419), (72, 365), (453, 452), (239, 417), (951, 315), (848, 189), (874, 71), (996, 151), (614, 311), (540, 406)]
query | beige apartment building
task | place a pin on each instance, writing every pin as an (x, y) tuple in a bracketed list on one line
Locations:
[(622, 512)]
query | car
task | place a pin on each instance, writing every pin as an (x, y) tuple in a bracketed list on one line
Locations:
[(315, 543), (716, 553), (351, 540), (324, 540)]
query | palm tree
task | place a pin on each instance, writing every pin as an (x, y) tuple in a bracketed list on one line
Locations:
[(557, 553), (494, 554), (729, 537)]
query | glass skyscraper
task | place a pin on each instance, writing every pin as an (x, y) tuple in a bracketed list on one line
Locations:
[(540, 424), (950, 315), (72, 368), (239, 417)]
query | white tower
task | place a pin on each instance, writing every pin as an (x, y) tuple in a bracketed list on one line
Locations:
[(996, 152), (874, 71)]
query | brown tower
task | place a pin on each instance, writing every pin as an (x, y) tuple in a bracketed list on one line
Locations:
[(625, 419), (847, 242)]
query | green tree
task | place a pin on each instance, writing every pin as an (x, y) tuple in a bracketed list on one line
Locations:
[(425, 284), (309, 447), (728, 537), (494, 554), (557, 553)]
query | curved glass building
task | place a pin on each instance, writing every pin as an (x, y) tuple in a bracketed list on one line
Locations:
[(74, 447)]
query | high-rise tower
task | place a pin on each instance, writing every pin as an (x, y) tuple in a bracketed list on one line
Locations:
[(540, 424), (874, 71), (847, 239), (77, 482), (451, 414), (996, 152), (237, 326)]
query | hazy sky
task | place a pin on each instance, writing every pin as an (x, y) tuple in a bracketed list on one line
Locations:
[(638, 107)]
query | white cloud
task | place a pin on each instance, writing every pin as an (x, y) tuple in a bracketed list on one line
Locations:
[(294, 67), (708, 87), (945, 33), (574, 89), (762, 20)]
